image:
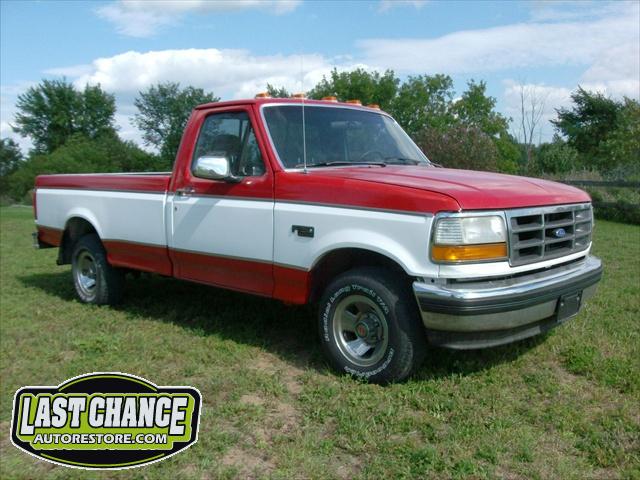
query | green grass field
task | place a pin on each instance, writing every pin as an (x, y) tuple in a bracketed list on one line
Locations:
[(566, 405)]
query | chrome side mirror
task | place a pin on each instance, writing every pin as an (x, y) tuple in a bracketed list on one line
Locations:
[(213, 168)]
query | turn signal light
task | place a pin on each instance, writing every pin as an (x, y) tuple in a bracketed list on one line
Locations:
[(354, 102), (330, 99), (263, 95), (462, 253)]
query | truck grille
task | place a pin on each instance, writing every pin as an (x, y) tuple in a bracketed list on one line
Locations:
[(537, 234)]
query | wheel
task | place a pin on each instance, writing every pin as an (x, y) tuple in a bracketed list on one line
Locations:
[(370, 326), (96, 281)]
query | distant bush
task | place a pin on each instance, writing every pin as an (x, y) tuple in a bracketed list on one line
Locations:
[(82, 155), (554, 158), (460, 147)]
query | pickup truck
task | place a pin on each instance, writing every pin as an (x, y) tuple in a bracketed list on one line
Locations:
[(332, 203)]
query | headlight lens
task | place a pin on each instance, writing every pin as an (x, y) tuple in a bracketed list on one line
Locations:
[(468, 239)]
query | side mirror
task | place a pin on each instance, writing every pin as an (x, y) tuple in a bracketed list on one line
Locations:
[(213, 168)]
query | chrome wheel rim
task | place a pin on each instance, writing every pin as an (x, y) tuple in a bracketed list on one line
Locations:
[(86, 273), (360, 330)]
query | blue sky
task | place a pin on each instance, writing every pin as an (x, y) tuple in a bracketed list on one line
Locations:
[(235, 47)]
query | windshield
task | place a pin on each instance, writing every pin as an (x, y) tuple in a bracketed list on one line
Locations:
[(338, 136)]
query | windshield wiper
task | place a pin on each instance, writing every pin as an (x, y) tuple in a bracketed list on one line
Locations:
[(341, 164), (402, 161)]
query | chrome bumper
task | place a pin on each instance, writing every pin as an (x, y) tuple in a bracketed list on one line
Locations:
[(478, 314)]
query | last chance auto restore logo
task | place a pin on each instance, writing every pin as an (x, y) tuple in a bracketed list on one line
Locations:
[(105, 420)]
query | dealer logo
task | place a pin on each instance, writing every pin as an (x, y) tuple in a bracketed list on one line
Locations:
[(105, 421)]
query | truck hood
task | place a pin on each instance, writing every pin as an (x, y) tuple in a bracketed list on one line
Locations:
[(471, 189)]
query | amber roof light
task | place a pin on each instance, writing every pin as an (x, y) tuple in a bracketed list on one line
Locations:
[(354, 102), (374, 106), (298, 95), (330, 99), (263, 95)]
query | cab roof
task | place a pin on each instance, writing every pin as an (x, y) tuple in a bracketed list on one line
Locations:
[(264, 101)]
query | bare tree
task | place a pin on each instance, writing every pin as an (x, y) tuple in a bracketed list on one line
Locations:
[(532, 103)]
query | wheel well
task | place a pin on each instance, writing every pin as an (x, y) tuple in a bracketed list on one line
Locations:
[(339, 261), (75, 229)]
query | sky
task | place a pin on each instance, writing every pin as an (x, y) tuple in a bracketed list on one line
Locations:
[(235, 47)]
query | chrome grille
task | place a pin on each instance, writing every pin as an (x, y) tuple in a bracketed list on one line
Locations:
[(537, 234)]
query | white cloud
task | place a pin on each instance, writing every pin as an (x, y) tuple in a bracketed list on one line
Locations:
[(143, 18), (228, 73), (521, 45), (386, 5)]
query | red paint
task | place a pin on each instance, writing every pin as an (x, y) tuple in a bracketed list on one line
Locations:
[(148, 258), (50, 236), (291, 285), (242, 275), (97, 181)]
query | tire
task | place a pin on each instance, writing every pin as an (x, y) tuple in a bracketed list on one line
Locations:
[(370, 326), (95, 280)]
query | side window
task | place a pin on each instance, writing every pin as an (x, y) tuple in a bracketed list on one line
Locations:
[(231, 135)]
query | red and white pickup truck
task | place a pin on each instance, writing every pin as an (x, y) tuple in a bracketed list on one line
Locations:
[(332, 203)]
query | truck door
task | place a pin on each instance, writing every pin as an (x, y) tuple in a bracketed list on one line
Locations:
[(221, 232)]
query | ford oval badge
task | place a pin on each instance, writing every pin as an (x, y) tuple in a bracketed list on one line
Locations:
[(559, 232)]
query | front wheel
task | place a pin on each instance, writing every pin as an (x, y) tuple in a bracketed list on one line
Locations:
[(95, 280), (370, 327)]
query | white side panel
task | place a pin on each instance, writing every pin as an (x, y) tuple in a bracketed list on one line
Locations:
[(129, 216), (403, 238), (222, 226)]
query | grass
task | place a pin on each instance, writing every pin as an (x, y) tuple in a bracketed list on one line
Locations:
[(566, 405)]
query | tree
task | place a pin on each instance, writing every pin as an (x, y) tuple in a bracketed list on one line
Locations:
[(476, 109), (10, 161), (52, 111), (622, 146), (424, 101), (163, 111), (588, 124), (368, 87), (532, 103), (277, 92)]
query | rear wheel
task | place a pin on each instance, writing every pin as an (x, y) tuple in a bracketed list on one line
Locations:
[(370, 327), (95, 280)]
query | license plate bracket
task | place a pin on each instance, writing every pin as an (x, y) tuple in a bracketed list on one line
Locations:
[(568, 306)]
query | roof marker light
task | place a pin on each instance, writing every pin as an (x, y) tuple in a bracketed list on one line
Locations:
[(330, 99), (354, 102), (298, 95), (263, 95), (375, 106)]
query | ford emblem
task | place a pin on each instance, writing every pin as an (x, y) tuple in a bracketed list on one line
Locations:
[(559, 232)]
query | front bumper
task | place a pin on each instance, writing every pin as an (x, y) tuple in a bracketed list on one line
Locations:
[(486, 313)]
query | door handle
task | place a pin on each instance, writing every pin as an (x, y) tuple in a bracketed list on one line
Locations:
[(185, 192)]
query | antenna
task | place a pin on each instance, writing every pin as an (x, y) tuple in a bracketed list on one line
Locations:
[(304, 128)]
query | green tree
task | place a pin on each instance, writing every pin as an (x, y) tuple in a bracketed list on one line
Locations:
[(552, 158), (10, 161), (163, 111), (424, 101), (277, 92), (588, 123), (622, 146), (52, 111), (476, 109), (368, 87)]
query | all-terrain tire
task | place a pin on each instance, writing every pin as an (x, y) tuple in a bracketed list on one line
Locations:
[(388, 341), (95, 280)]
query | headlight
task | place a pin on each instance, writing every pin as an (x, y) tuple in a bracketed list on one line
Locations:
[(468, 239)]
